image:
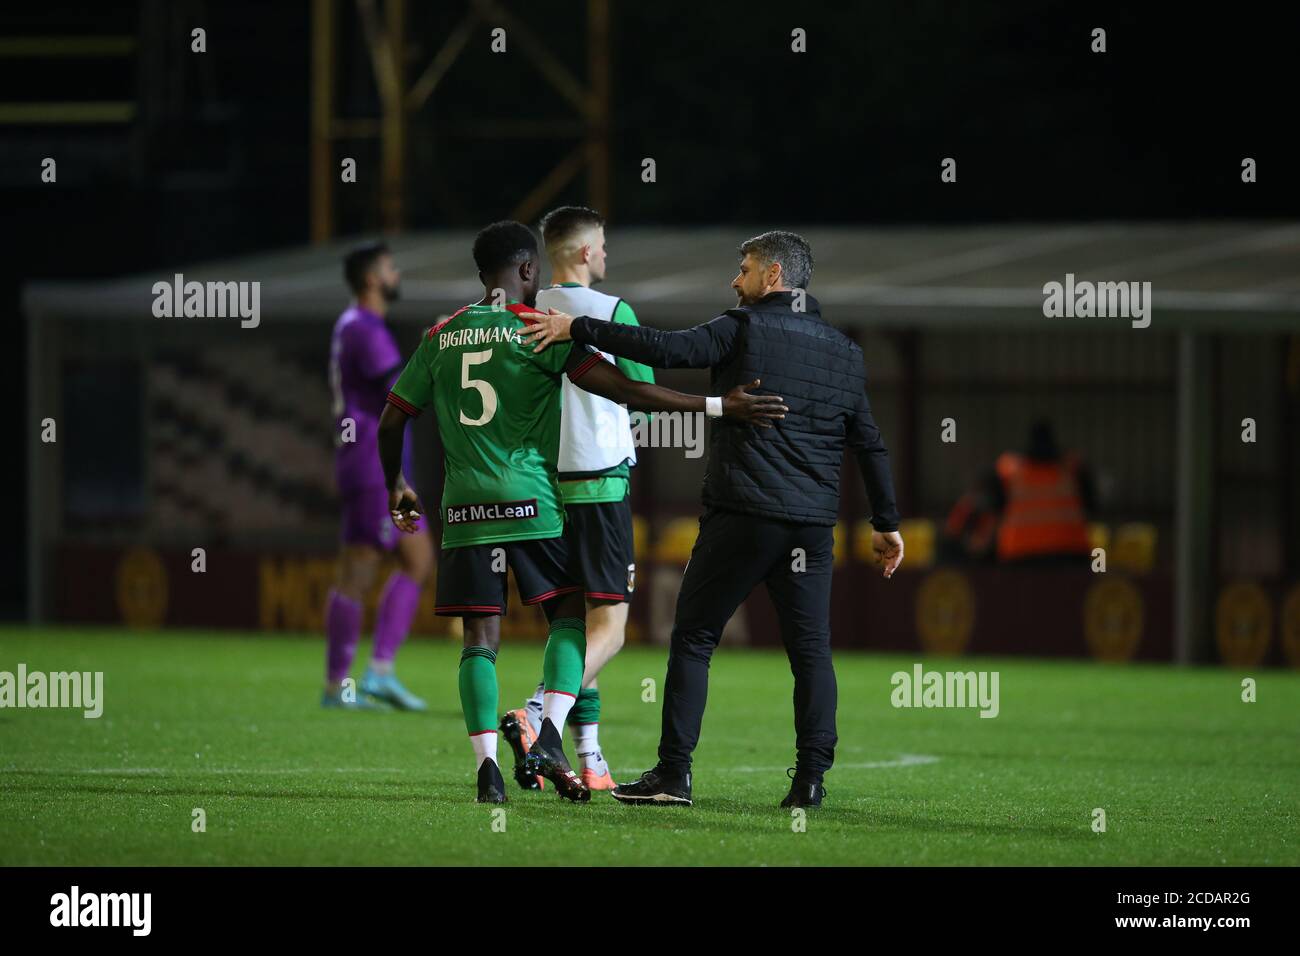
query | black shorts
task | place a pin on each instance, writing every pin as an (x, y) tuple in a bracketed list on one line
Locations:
[(472, 580), (601, 536)]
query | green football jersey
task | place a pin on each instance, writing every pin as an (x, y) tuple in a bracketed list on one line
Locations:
[(498, 409)]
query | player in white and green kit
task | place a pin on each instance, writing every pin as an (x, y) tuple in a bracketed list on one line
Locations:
[(596, 457), (498, 409)]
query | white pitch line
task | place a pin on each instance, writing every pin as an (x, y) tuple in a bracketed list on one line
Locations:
[(147, 771), (904, 760)]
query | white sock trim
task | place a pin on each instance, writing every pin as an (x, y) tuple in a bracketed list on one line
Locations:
[(556, 706), (485, 747)]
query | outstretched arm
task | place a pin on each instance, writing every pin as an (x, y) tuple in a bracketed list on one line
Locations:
[(595, 375), (704, 346)]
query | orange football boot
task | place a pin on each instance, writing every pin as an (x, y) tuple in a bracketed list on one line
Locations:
[(520, 735), (596, 781)]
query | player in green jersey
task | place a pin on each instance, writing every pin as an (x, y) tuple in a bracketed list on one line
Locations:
[(498, 409), (597, 453)]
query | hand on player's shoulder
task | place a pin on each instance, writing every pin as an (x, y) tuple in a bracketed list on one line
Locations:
[(546, 329)]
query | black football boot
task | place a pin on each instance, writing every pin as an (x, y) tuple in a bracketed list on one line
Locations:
[(659, 785), (491, 785), (546, 757), (806, 790)]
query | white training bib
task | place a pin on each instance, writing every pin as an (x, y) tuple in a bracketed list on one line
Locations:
[(595, 433)]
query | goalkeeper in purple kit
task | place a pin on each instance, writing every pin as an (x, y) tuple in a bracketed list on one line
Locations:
[(364, 361)]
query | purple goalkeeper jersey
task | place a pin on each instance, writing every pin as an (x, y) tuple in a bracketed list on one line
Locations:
[(364, 362)]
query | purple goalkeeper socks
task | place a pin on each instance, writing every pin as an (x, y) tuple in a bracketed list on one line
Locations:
[(342, 629), (397, 606)]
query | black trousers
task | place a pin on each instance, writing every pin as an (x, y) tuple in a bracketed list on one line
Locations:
[(732, 555)]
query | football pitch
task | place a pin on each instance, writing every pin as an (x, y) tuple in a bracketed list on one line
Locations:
[(1184, 770)]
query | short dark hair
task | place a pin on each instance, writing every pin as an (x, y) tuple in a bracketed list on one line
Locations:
[(503, 244), (790, 249), (564, 222), (358, 263)]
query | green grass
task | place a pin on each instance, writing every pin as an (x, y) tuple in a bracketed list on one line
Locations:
[(1187, 773)]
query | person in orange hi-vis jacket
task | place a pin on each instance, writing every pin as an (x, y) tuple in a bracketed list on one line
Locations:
[(1044, 497)]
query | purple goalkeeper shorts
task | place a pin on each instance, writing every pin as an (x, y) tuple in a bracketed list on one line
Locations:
[(366, 519)]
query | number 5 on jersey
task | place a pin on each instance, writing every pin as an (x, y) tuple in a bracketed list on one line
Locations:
[(485, 390)]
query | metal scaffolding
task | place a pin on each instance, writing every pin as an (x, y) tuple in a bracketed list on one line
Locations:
[(385, 33)]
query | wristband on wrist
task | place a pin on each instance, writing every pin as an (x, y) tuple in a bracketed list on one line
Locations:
[(713, 406)]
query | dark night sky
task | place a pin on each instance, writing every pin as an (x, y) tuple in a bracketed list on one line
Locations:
[(742, 129)]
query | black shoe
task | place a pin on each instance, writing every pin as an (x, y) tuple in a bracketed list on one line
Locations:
[(546, 757), (516, 736), (656, 786), (491, 785), (805, 791)]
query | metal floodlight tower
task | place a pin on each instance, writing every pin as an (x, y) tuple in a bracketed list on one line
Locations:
[(385, 36)]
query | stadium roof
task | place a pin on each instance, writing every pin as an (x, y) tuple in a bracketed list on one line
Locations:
[(1222, 276)]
